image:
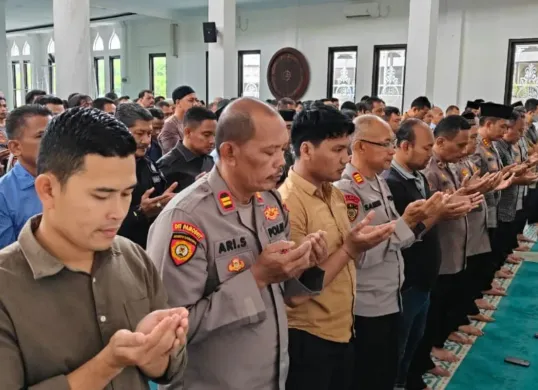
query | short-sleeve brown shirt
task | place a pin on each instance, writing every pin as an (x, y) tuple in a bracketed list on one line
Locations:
[(54, 319)]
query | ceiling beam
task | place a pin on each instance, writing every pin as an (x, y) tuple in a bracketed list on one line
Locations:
[(128, 6)]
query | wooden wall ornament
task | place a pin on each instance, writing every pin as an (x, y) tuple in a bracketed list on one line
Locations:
[(288, 74)]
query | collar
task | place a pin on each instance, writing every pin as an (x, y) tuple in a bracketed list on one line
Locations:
[(222, 194), (404, 172), (440, 164), (354, 175), (41, 262), (188, 155), (308, 187), (24, 177)]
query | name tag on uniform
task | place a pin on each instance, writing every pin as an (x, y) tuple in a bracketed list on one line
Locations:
[(156, 179), (373, 205)]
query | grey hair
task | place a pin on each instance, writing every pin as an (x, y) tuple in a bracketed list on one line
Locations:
[(129, 113), (363, 124)]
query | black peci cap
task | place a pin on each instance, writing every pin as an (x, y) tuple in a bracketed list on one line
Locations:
[(494, 110)]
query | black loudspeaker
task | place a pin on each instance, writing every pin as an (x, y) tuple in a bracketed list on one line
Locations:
[(210, 32)]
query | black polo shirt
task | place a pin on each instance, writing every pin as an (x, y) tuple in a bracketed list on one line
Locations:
[(422, 259), (181, 165)]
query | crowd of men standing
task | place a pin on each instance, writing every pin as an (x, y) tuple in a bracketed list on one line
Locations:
[(285, 245)]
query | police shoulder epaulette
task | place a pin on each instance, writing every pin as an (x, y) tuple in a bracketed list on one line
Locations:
[(192, 196)]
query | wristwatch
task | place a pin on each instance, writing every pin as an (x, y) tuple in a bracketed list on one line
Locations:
[(419, 229)]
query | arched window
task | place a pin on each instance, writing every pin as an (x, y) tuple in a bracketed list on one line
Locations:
[(26, 49), (114, 43), (15, 50), (50, 47), (98, 44)]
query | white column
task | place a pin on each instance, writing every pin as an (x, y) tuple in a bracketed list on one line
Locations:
[(421, 49), (449, 49), (223, 54), (5, 84), (72, 44)]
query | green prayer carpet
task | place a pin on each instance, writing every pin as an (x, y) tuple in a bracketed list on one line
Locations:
[(512, 334)]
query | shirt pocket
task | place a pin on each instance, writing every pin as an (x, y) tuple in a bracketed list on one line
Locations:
[(230, 265), (136, 310)]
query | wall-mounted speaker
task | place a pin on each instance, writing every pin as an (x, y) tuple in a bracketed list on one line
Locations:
[(210, 32)]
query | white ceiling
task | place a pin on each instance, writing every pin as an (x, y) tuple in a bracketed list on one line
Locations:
[(22, 14)]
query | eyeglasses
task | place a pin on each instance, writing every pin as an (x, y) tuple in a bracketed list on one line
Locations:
[(387, 145)]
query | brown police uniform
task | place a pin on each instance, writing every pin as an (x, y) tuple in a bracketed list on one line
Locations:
[(203, 244)]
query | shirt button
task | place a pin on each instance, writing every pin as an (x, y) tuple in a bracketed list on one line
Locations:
[(102, 319), (94, 280)]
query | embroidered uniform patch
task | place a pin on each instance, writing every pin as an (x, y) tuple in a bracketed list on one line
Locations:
[(486, 143), (465, 172), (236, 265), (271, 213), (358, 178), (352, 203), (226, 202), (184, 242), (259, 198)]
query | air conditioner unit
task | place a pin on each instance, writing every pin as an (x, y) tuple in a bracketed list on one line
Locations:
[(367, 10)]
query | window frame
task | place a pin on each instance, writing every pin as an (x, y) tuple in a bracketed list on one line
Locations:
[(52, 80), (111, 70), (330, 66), (240, 55), (14, 63), (207, 77), (152, 56), (375, 71), (508, 83), (96, 60), (25, 85)]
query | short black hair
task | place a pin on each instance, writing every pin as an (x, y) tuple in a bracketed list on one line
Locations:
[(77, 99), (317, 125), (334, 99), (421, 103), (361, 107), (162, 103), (196, 115), (143, 93), (3, 98), (369, 103), (157, 113), (159, 98), (49, 99), (324, 100), (348, 106), (406, 131), (450, 126), (30, 96), (389, 110), (531, 105), (79, 132), (125, 97), (285, 101), (452, 107), (351, 114), (100, 103), (516, 115), (129, 113), (72, 95), (111, 96), (17, 118), (364, 98)]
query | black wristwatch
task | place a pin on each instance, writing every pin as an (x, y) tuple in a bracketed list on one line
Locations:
[(419, 229)]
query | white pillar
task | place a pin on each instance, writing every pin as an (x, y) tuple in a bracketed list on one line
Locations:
[(72, 44), (421, 49), (222, 55), (5, 84), (449, 49)]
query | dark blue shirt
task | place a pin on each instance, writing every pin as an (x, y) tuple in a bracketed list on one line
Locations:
[(18, 203)]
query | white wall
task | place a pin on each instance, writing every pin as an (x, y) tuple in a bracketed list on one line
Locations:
[(471, 50)]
